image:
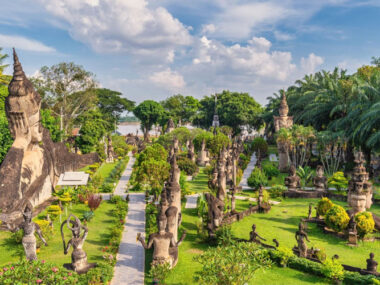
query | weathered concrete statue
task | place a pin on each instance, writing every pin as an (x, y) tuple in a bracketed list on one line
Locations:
[(191, 152), (162, 242), (170, 126), (213, 183), (215, 212), (254, 236), (320, 181), (293, 182), (301, 235), (359, 196), (202, 156), (222, 189), (110, 151), (34, 163), (29, 240), (372, 263), (79, 262), (283, 121), (352, 232)]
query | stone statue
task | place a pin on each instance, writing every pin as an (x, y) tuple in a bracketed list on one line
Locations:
[(213, 183), (191, 152), (310, 210), (215, 212), (283, 121), (29, 240), (360, 192), (176, 144), (352, 231), (170, 126), (33, 164), (79, 262), (371, 263), (254, 236), (320, 181), (110, 152), (162, 242), (293, 182), (301, 235), (202, 156), (222, 189)]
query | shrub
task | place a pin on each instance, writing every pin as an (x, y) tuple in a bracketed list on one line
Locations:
[(364, 223), (186, 165), (101, 274), (333, 270), (151, 212), (338, 181), (265, 195), (54, 211), (88, 215), (337, 218), (321, 254), (107, 188), (36, 272), (232, 264), (281, 255), (270, 169), (159, 272), (276, 191), (224, 235), (184, 185), (323, 206), (94, 201), (115, 199), (257, 178), (260, 145), (46, 230)]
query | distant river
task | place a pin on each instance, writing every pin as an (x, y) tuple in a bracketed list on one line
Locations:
[(132, 128)]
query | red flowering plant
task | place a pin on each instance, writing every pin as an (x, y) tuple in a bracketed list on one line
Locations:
[(36, 272)]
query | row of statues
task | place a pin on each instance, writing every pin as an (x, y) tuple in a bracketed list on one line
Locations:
[(293, 181)]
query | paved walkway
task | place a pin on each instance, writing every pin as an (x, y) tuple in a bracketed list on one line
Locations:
[(247, 172), (191, 201), (121, 186), (130, 264)]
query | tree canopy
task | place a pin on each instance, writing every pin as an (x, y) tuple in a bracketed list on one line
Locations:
[(181, 108)]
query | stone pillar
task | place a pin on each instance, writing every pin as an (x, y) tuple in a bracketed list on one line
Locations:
[(222, 176)]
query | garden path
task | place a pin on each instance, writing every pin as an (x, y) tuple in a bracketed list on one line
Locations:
[(191, 201), (130, 264), (121, 186), (247, 172)]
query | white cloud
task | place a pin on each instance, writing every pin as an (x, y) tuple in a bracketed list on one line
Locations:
[(22, 43), (280, 36), (208, 29), (310, 64), (122, 26), (168, 79)]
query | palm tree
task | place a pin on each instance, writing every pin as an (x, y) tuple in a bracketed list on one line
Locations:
[(4, 79)]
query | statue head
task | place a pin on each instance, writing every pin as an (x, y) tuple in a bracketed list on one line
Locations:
[(171, 218), (27, 214), (319, 171), (292, 170), (358, 203), (371, 255), (253, 227), (23, 105), (76, 225), (162, 222)]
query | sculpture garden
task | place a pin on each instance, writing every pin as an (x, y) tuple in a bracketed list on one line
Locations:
[(294, 203)]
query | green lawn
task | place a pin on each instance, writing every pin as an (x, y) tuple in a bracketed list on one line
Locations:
[(199, 183), (98, 236), (105, 169)]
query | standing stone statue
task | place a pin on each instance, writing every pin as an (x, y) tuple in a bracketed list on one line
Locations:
[(162, 242), (213, 183), (79, 262), (320, 181), (254, 236), (202, 156), (215, 212), (222, 190), (170, 126), (310, 211), (29, 240), (110, 152), (293, 182), (372, 263), (352, 232), (283, 121), (33, 164), (191, 152), (359, 196), (301, 235)]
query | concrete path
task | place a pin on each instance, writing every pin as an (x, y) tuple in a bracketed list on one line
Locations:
[(247, 172), (191, 201), (121, 186), (130, 264)]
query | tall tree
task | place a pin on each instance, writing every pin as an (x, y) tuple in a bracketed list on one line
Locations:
[(149, 112), (4, 79), (112, 105), (181, 108), (68, 90), (234, 109)]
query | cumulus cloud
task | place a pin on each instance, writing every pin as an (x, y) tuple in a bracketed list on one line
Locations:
[(310, 64), (122, 26), (23, 43), (168, 79), (208, 29), (280, 36)]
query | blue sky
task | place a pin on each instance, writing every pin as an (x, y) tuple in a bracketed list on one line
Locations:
[(152, 49)]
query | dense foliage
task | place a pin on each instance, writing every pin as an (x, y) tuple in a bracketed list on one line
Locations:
[(257, 178), (364, 223), (337, 218), (260, 146), (323, 206), (181, 108)]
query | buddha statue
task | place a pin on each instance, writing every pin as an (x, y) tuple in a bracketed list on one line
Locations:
[(293, 182), (33, 164), (372, 263), (320, 181)]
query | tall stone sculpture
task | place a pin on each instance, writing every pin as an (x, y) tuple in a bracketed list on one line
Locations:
[(163, 243), (359, 196), (222, 190), (191, 152), (320, 181), (202, 156), (170, 126), (79, 262), (29, 240), (283, 121), (301, 236), (34, 163), (293, 182), (110, 153)]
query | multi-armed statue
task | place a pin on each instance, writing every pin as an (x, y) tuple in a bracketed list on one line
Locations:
[(34, 163)]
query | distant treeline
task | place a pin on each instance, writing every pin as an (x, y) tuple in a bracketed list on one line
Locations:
[(128, 119)]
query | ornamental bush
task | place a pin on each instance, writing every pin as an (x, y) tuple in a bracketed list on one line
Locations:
[(281, 255), (260, 145), (36, 272), (186, 165), (270, 169), (337, 218), (276, 191), (333, 270), (257, 178), (323, 206), (338, 181), (364, 223)]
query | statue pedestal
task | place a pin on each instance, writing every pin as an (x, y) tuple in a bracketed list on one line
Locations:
[(352, 239)]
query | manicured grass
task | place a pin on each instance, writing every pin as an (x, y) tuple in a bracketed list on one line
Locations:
[(105, 169), (282, 223), (98, 236), (199, 183)]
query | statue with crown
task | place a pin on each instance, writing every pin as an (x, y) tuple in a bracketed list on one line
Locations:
[(33, 164)]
